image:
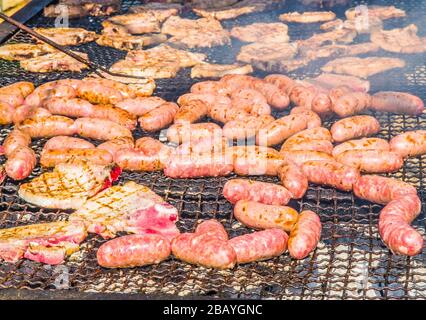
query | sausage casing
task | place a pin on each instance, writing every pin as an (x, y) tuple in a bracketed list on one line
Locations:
[(305, 235), (354, 127), (294, 180)]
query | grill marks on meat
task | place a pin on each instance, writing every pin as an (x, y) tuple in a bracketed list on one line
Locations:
[(308, 16), (23, 51), (68, 186), (68, 36), (382, 12), (400, 40), (162, 61), (210, 70), (161, 11), (57, 61), (362, 67), (189, 33), (47, 243), (130, 208), (133, 23), (261, 32), (129, 42), (82, 8), (232, 10)]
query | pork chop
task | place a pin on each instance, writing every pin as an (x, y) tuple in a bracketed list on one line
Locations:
[(161, 11), (47, 243), (382, 12), (362, 67), (130, 42), (68, 186), (135, 23), (57, 61), (68, 36), (23, 51), (262, 32), (401, 40), (209, 70), (130, 208), (308, 16)]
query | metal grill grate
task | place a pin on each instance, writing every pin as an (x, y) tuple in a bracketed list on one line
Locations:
[(350, 261)]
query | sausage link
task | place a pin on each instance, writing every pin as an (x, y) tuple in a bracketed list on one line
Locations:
[(281, 81), (16, 139), (275, 96), (381, 190), (213, 144), (294, 180), (224, 114), (247, 128), (305, 235), (371, 161), (260, 245), (263, 216), (281, 129), (140, 105), (215, 87), (97, 93), (212, 228), (394, 225), (263, 192), (251, 101), (331, 173), (308, 145), (47, 127), (20, 163), (137, 160), (361, 144), (191, 112), (351, 103), (299, 157), (51, 158), (100, 129), (159, 118), (354, 127), (65, 142), (179, 133), (133, 251), (312, 118), (113, 146), (397, 102), (6, 113), (409, 144)]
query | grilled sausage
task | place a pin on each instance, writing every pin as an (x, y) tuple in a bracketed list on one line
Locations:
[(394, 225), (191, 112), (275, 96), (140, 105), (294, 180), (318, 133), (322, 103), (371, 161), (263, 216), (212, 228), (281, 81), (302, 96), (179, 133), (381, 190), (149, 146), (159, 118), (260, 245), (40, 94), (247, 128), (133, 251), (354, 127), (224, 114), (51, 158), (113, 146), (15, 139), (77, 108), (22, 88), (65, 142), (308, 145), (255, 160), (299, 157), (215, 87), (331, 173), (205, 247), (251, 101), (263, 192), (312, 118), (279, 130), (397, 102), (213, 144), (46, 127), (24, 112), (6, 113), (100, 129), (199, 165), (97, 93), (351, 103), (305, 235), (361, 144), (20, 163), (133, 159), (409, 144)]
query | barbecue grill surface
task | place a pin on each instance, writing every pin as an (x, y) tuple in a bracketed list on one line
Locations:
[(350, 262)]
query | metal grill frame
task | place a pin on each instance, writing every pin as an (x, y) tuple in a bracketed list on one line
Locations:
[(351, 262)]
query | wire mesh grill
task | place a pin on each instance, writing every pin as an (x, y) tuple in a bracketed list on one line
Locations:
[(350, 261)]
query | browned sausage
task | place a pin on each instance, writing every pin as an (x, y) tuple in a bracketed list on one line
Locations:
[(263, 216), (294, 180), (275, 96), (140, 105), (371, 161), (361, 144), (351, 103), (354, 127), (137, 160), (191, 112), (409, 144), (20, 163), (65, 142), (112, 146), (312, 118), (16, 139), (299, 157), (100, 129), (48, 127), (305, 235), (279, 130), (397, 102), (159, 118), (51, 158), (179, 133), (247, 128)]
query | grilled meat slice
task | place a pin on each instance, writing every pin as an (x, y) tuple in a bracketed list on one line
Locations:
[(262, 32), (68, 36), (130, 42), (155, 69), (135, 23), (196, 39), (161, 11), (130, 208), (141, 87), (23, 51), (82, 8), (209, 70), (335, 36), (229, 11), (308, 16), (57, 61), (340, 50), (381, 12), (48, 243), (362, 68), (402, 40), (68, 186), (330, 81), (267, 53)]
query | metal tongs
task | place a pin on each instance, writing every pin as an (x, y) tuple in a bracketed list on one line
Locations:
[(98, 69)]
